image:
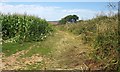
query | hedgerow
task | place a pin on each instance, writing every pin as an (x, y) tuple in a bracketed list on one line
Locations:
[(101, 33)]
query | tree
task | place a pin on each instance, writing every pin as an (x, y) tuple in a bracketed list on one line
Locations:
[(69, 18), (75, 17), (62, 21)]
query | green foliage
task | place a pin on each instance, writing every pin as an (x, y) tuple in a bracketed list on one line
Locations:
[(69, 18), (102, 34), (21, 28), (62, 21), (106, 41)]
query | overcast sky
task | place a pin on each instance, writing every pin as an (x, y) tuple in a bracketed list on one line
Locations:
[(52, 11)]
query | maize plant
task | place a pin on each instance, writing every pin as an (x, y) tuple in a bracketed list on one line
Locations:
[(24, 27)]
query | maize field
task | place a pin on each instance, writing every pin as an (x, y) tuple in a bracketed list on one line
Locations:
[(22, 28)]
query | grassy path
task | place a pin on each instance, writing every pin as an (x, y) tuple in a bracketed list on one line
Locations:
[(70, 52), (63, 50)]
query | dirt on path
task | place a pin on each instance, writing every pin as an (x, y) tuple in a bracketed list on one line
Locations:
[(68, 53), (14, 61)]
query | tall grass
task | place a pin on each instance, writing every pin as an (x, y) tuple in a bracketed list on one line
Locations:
[(102, 34), (106, 41)]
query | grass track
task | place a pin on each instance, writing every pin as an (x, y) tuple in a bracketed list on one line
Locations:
[(62, 50)]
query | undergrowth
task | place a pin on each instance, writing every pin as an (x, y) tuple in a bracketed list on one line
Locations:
[(101, 33)]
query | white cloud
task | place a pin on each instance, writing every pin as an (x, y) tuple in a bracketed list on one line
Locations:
[(82, 13), (46, 12), (79, 10), (41, 11)]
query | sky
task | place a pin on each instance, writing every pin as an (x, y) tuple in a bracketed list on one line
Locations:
[(53, 11), (59, 0)]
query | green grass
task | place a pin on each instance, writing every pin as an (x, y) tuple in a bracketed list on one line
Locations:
[(42, 47), (11, 48), (45, 47), (39, 48), (36, 47), (68, 37)]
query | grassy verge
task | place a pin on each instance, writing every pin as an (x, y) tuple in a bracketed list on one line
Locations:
[(11, 48), (42, 47), (101, 33)]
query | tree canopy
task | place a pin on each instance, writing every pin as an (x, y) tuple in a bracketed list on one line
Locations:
[(69, 19)]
